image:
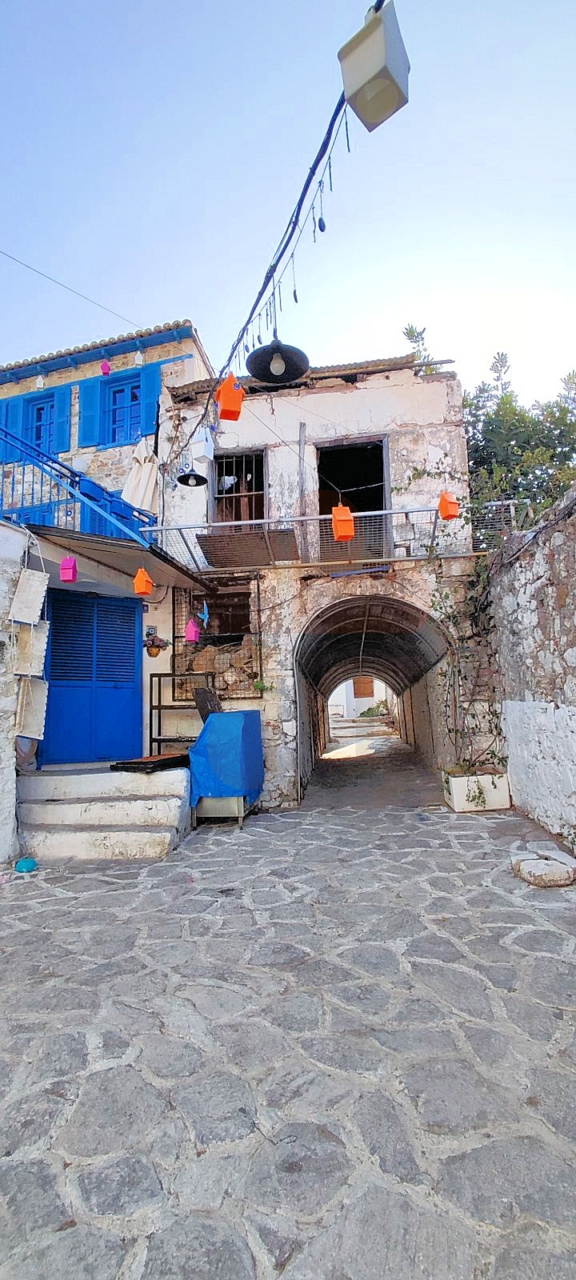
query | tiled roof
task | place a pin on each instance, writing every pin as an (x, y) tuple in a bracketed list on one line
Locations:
[(318, 374), (102, 342)]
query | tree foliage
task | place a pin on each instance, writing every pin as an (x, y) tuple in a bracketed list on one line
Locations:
[(516, 452)]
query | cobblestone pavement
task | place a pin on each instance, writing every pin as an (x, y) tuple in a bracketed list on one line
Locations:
[(338, 1045)]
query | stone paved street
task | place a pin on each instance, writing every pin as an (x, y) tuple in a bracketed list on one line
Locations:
[(338, 1045)]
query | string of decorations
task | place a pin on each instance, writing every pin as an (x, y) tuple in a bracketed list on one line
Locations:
[(266, 306), (267, 316), (375, 72)]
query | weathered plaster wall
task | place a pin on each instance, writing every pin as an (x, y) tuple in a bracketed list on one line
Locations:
[(421, 417), (12, 547), (534, 607)]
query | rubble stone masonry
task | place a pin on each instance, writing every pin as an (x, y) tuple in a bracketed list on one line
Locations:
[(534, 605)]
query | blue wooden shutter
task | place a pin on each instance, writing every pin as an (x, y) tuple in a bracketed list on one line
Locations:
[(151, 382), (71, 636), (90, 414), (11, 418), (116, 643), (62, 397)]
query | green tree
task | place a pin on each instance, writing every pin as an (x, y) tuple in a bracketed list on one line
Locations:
[(417, 339), (515, 452)]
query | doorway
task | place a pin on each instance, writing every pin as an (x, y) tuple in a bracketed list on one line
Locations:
[(358, 475), (95, 679), (359, 472)]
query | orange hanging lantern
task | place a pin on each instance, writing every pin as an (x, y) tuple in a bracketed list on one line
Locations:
[(342, 524), (448, 506), (230, 398), (143, 584)]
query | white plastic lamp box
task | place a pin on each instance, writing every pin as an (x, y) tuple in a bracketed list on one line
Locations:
[(376, 68), (203, 447)]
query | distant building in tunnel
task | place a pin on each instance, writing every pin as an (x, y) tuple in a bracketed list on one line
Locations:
[(294, 613)]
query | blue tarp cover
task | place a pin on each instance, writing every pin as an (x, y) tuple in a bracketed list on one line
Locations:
[(227, 758)]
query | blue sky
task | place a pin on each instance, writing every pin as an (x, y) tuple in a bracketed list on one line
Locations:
[(152, 154)]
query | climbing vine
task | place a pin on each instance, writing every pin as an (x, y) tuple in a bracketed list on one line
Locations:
[(471, 698)]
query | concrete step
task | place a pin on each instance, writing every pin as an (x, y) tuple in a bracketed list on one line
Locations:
[(126, 812), (111, 844), (99, 784)]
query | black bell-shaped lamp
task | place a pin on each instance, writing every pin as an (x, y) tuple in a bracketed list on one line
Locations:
[(277, 364), (192, 479)]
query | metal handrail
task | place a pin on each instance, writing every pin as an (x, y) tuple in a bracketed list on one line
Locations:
[(380, 537), (37, 483)]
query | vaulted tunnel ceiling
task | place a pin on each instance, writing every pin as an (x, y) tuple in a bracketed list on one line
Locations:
[(377, 635)]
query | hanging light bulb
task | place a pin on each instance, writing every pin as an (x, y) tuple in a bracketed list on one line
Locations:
[(277, 364), (192, 479)]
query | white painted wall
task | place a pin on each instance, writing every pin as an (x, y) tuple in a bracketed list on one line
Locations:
[(352, 707), (422, 418), (541, 742), (12, 547)]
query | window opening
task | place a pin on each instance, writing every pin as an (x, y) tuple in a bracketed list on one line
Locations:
[(42, 424), (357, 472), (363, 687), (228, 650), (123, 413), (239, 487)]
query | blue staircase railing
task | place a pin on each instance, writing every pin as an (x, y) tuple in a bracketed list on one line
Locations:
[(38, 489)]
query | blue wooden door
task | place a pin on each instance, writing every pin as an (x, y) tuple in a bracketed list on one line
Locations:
[(95, 674)]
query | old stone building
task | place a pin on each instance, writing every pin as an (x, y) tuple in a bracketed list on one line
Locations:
[(293, 613), (534, 608)]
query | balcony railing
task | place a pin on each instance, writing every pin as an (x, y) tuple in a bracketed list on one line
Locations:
[(37, 489), (379, 537)]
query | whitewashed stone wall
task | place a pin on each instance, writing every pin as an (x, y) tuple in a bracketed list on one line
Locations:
[(534, 605), (12, 548)]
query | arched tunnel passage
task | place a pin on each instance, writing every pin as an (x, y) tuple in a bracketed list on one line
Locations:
[(377, 635)]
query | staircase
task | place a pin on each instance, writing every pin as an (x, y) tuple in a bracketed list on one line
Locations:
[(41, 490), (91, 813)]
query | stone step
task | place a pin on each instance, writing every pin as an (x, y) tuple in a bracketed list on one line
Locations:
[(111, 844), (127, 811), (99, 784)]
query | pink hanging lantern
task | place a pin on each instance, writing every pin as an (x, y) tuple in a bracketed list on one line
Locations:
[(192, 632), (105, 368), (68, 569)]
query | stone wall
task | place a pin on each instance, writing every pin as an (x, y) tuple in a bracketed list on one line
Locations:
[(12, 547), (534, 606)]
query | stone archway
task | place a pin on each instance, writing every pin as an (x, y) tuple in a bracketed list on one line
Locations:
[(381, 635)]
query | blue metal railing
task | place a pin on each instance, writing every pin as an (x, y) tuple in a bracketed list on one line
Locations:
[(38, 489)]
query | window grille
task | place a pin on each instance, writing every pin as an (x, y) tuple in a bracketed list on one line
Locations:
[(239, 487), (228, 650)]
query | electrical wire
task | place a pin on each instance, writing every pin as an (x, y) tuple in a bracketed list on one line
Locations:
[(348, 489), (68, 288), (293, 450), (289, 235)]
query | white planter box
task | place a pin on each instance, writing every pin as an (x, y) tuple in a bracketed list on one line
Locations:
[(476, 792)]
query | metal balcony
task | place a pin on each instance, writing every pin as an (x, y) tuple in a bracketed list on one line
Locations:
[(380, 537)]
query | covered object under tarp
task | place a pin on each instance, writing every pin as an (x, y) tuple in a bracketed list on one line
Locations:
[(227, 759)]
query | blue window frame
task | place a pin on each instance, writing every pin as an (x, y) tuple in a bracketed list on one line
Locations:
[(40, 424), (122, 411), (41, 419), (119, 408)]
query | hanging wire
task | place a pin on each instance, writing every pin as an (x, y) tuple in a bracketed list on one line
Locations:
[(321, 222), (290, 234), (69, 289), (294, 289)]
